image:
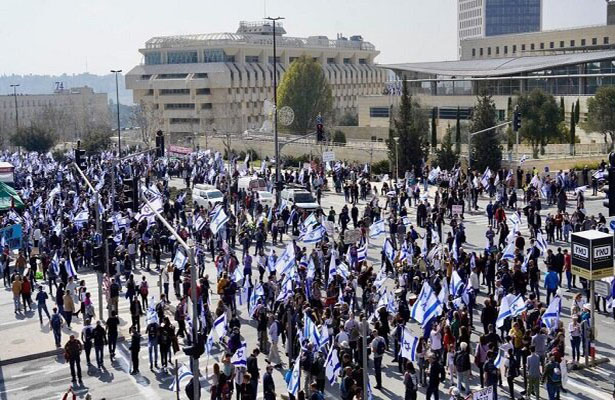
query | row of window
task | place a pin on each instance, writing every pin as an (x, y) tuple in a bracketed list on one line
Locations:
[(532, 47), (470, 14), (470, 4)]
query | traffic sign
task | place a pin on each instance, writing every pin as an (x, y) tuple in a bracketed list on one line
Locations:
[(603, 289), (328, 156)]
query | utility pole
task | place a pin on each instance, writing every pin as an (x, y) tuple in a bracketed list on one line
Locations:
[(364, 332), (117, 100), (275, 109)]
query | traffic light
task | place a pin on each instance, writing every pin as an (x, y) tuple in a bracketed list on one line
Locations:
[(98, 259), (609, 175), (159, 144), (197, 349), (80, 159), (131, 194), (516, 121)]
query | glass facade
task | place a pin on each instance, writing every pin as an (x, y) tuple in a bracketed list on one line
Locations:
[(216, 55), (182, 57), (153, 58), (503, 17)]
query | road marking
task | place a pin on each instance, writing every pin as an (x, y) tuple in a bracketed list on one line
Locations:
[(585, 388), (13, 390), (146, 391)]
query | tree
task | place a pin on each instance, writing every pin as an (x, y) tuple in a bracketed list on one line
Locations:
[(96, 139), (148, 118), (349, 119), (572, 129), (410, 128), (486, 150), (458, 132), (446, 156), (541, 120), (577, 113), (434, 131), (35, 138), (601, 113), (339, 137), (562, 109), (306, 90)]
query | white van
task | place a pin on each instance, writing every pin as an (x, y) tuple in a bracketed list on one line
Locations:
[(206, 196), (300, 198), (248, 183)]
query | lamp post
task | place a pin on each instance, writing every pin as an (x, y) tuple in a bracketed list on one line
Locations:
[(275, 109), (396, 138), (117, 101), (15, 86)]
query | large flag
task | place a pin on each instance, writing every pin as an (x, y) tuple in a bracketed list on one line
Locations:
[(456, 284), (287, 260), (180, 259), (70, 266), (295, 379), (517, 306), (504, 312), (551, 315), (218, 220), (426, 307), (239, 358), (541, 243), (509, 251), (182, 374), (362, 252), (409, 344), (333, 366), (388, 250), (314, 235), (377, 229)]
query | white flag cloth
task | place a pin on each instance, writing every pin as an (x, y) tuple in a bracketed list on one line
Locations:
[(504, 313), (287, 260), (333, 366), (409, 344), (70, 267), (426, 307), (295, 379), (377, 228), (220, 325), (180, 260), (456, 284), (541, 243), (551, 316), (182, 374), (239, 358), (219, 219)]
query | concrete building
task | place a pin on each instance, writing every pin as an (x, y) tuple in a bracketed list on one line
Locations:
[(71, 109), (222, 80), (487, 18)]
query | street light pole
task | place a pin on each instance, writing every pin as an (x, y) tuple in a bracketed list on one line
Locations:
[(15, 86), (117, 101), (275, 108)]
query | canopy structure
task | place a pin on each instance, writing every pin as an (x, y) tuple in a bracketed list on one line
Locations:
[(9, 197)]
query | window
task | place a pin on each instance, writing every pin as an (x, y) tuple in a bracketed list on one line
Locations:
[(145, 77), (488, 51), (153, 58), (179, 106), (497, 49), (203, 91), (347, 61), (362, 61), (277, 60), (561, 43), (185, 121), (291, 59), (532, 46), (252, 59), (481, 51), (514, 49), (552, 45), (582, 42), (379, 112), (216, 55), (542, 46), (166, 92), (505, 49), (523, 47), (331, 60), (473, 52), (182, 57), (605, 40), (572, 43), (200, 75), (205, 106), (172, 76), (594, 41)]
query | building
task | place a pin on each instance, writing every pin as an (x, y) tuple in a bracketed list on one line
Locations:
[(221, 80), (70, 111), (487, 18)]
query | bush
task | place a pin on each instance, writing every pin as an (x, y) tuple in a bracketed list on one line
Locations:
[(349, 119), (591, 166), (97, 139), (381, 167), (292, 161), (339, 137)]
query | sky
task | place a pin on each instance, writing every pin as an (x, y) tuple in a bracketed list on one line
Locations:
[(74, 36)]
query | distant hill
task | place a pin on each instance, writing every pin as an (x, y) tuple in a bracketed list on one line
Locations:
[(41, 84)]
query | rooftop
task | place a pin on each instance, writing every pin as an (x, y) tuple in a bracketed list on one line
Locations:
[(499, 66)]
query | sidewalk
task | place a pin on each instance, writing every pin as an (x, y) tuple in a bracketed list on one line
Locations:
[(26, 339)]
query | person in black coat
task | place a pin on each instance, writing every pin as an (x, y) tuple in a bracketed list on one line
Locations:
[(268, 384), (436, 375), (135, 347)]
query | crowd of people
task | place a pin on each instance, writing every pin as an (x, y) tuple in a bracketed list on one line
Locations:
[(329, 292)]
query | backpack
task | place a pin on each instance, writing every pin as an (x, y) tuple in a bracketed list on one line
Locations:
[(380, 347), (143, 289), (556, 375)]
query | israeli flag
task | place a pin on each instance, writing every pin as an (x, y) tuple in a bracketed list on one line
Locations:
[(199, 222), (333, 366), (456, 284), (455, 250), (509, 251), (219, 219), (388, 250), (523, 159), (180, 260), (409, 343), (426, 307), (377, 228), (182, 374), (55, 262), (309, 221), (70, 267), (499, 359), (443, 295), (503, 313), (541, 243), (362, 253), (517, 306), (324, 336), (220, 325), (485, 178), (287, 260), (314, 235), (295, 379), (551, 316), (82, 218), (239, 358)]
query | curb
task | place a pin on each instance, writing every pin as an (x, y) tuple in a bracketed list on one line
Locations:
[(596, 362), (29, 357)]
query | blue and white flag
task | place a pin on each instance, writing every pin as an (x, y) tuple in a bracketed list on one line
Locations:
[(70, 267), (55, 262), (455, 250), (541, 243), (324, 336), (239, 358), (199, 223), (220, 325), (180, 259), (333, 366), (456, 284), (287, 260), (499, 359), (218, 220), (314, 235), (182, 374), (517, 306), (362, 252), (295, 379), (503, 313), (550, 318), (377, 228), (409, 343), (485, 178), (509, 251), (388, 250), (426, 307)]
